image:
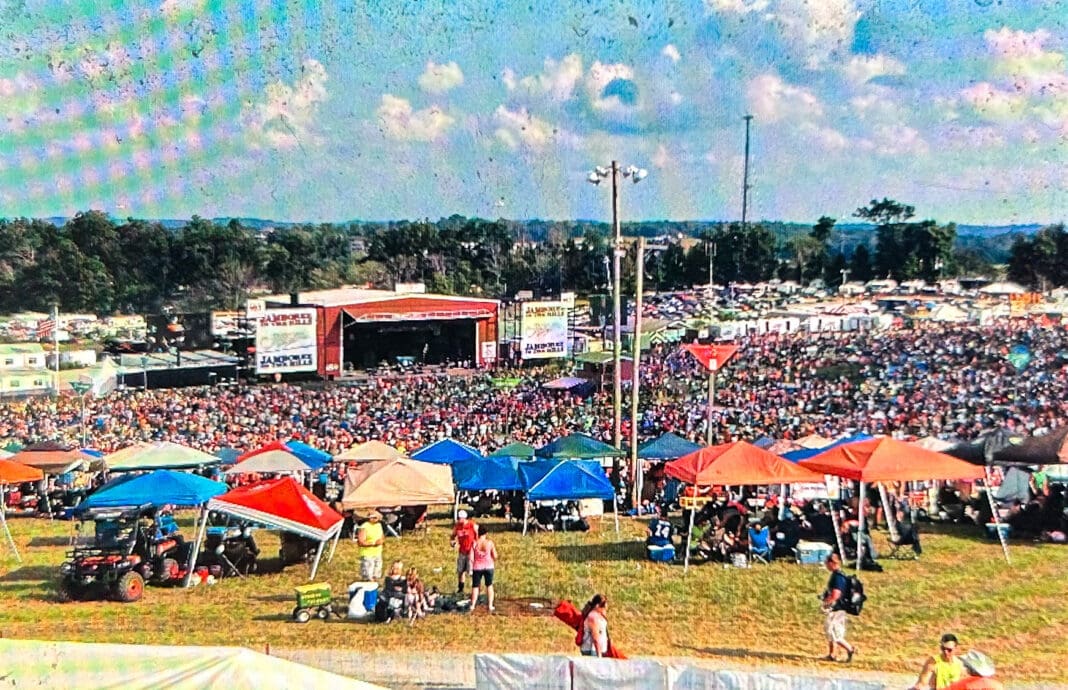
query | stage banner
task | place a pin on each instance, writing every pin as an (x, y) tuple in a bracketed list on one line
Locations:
[(544, 330), (286, 342)]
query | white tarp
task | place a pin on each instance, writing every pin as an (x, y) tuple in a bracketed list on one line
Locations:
[(286, 341), (507, 671), (494, 671), (37, 664)]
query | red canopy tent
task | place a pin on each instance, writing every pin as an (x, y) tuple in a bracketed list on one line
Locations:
[(733, 463), (270, 458), (285, 504), (884, 459), (15, 473)]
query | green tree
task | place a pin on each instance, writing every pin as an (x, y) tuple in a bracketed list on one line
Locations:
[(860, 264)]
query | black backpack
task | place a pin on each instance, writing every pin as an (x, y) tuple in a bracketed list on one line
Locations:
[(854, 596)]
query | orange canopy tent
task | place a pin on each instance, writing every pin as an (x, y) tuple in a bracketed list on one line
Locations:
[(735, 463), (15, 473), (884, 459)]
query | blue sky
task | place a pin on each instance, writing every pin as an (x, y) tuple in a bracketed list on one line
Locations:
[(425, 108)]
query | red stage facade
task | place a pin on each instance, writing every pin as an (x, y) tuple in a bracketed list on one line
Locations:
[(360, 328)]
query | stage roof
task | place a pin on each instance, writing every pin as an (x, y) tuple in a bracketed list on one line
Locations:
[(347, 297)]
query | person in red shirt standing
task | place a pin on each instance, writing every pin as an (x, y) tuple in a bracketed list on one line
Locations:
[(464, 534)]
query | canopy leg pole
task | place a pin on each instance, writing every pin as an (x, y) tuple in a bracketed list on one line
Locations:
[(782, 501), (860, 527), (526, 516), (199, 537), (711, 401), (333, 546), (994, 515), (889, 511), (7, 533), (837, 530), (318, 556), (615, 512), (689, 534), (456, 506)]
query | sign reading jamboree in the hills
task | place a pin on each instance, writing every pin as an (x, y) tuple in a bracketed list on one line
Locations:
[(285, 341), (544, 330)]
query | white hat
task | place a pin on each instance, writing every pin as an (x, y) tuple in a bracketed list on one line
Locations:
[(462, 515), (977, 663)]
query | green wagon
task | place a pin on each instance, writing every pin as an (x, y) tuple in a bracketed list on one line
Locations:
[(313, 600)]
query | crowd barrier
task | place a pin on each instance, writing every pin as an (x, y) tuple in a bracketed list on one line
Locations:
[(508, 671)]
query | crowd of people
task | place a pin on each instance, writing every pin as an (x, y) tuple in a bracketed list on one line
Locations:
[(936, 379)]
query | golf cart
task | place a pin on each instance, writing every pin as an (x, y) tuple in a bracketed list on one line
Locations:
[(129, 547)]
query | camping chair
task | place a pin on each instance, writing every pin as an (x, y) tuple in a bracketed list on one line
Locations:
[(760, 544), (391, 523), (543, 519), (907, 536)]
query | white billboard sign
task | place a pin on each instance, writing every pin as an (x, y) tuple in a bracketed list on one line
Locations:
[(286, 341), (544, 330)]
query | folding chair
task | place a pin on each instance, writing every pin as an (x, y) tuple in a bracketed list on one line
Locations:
[(760, 544), (907, 537)]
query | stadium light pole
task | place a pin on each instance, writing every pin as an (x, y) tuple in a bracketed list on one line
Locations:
[(596, 176)]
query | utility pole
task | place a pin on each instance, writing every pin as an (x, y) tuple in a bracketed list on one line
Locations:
[(635, 382), (745, 173), (617, 325)]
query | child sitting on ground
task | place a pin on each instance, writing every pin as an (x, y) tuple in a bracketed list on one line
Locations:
[(416, 597)]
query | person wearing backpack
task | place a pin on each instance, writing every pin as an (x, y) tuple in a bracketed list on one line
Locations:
[(836, 599)]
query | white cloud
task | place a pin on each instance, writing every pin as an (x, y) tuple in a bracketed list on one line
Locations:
[(771, 99), (993, 103), (600, 76), (176, 9), (284, 118), (19, 101), (894, 140), (519, 127), (557, 81), (440, 78), (827, 138), (400, 121), (736, 6), (671, 53), (863, 68)]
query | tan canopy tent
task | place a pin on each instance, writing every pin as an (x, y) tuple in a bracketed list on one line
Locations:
[(397, 482), (371, 450)]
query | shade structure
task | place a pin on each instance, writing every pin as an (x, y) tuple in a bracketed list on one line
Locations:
[(51, 457), (985, 449), (884, 459), (5, 454), (159, 456), (519, 450), (312, 457), (445, 452), (782, 446), (162, 487), (26, 663), (737, 463), (813, 441), (281, 503), (668, 446), (273, 458), (549, 480), (487, 474), (578, 446), (1050, 449), (370, 450), (764, 442), (227, 456), (806, 453), (16, 473), (397, 482), (565, 383)]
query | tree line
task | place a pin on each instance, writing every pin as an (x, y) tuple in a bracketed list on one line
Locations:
[(98, 264)]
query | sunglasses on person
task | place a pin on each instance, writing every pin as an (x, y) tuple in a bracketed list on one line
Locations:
[(949, 650)]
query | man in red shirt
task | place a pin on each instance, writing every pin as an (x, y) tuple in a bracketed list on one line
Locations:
[(464, 534)]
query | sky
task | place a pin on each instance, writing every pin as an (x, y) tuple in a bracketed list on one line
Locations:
[(405, 109)]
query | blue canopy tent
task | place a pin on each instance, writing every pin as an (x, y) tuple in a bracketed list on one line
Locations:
[(228, 456), (764, 442), (312, 457), (560, 480), (487, 474), (806, 453), (446, 452), (162, 487), (669, 446)]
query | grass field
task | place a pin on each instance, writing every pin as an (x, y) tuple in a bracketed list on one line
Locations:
[(763, 615)]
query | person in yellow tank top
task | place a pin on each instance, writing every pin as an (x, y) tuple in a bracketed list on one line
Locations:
[(942, 670)]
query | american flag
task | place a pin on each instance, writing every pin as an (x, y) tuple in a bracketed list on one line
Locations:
[(46, 327)]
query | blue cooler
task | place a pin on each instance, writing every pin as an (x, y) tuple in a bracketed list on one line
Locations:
[(363, 597), (813, 552), (992, 530), (661, 554)]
